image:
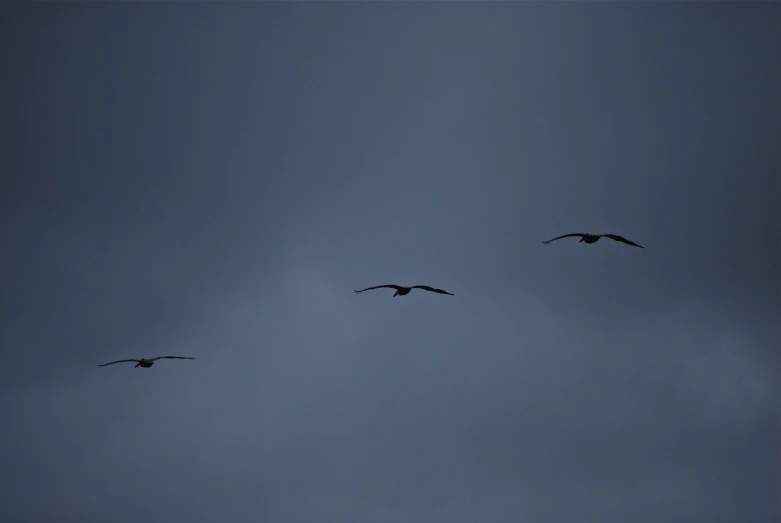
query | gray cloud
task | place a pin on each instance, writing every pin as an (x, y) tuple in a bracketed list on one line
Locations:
[(214, 180)]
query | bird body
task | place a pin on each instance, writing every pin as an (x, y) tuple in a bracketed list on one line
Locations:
[(403, 291), (145, 363), (594, 238)]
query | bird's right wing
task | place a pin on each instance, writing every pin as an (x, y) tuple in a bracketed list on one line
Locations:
[(173, 358), (565, 236), (618, 238), (381, 287), (118, 361), (432, 289)]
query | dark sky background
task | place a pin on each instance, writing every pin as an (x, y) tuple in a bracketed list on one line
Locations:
[(214, 180)]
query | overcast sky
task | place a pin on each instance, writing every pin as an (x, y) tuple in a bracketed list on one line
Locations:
[(214, 179)]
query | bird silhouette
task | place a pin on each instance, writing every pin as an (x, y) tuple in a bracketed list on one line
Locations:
[(403, 291), (145, 363), (594, 238)]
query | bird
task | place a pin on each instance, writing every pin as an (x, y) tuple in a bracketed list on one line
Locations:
[(145, 363), (403, 291), (594, 238)]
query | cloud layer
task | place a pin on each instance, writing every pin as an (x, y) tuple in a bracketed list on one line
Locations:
[(214, 180)]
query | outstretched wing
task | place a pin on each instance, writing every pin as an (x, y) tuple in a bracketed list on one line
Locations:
[(397, 287), (432, 289), (118, 361), (565, 236), (621, 239), (172, 358)]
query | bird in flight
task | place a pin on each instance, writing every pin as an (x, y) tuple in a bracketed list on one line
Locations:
[(145, 363), (594, 238), (403, 291)]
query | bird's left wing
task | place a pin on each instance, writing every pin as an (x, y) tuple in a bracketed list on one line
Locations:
[(118, 361), (564, 236), (173, 358), (380, 287)]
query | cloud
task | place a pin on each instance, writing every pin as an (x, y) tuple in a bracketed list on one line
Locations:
[(218, 186)]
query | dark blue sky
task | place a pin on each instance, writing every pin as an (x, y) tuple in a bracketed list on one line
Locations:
[(214, 180)]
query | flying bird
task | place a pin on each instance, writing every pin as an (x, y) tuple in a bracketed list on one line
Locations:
[(594, 238), (146, 363), (403, 291)]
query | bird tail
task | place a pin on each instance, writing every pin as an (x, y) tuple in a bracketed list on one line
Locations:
[(137, 364), (395, 293)]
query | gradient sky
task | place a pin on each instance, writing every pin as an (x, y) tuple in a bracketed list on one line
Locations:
[(214, 180)]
